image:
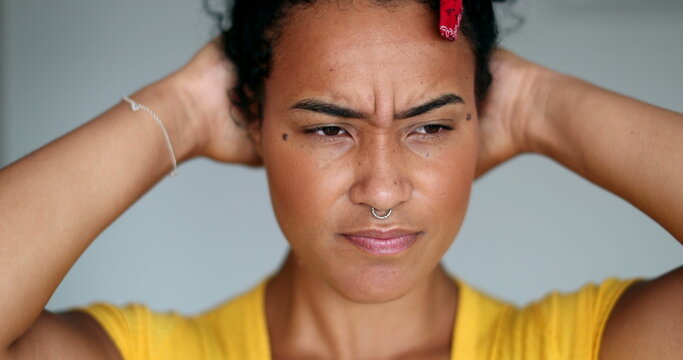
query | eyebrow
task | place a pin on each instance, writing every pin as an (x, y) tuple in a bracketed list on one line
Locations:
[(330, 109)]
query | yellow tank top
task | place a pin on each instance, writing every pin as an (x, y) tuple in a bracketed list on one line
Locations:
[(560, 326)]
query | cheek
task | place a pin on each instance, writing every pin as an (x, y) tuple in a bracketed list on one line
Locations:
[(453, 175), (451, 192), (443, 187), (304, 186)]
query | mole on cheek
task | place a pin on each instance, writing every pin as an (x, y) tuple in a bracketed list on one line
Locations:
[(469, 117), (285, 137)]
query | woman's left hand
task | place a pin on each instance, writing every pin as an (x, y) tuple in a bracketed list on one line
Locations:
[(512, 103)]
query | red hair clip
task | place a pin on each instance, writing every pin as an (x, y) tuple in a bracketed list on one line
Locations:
[(449, 21)]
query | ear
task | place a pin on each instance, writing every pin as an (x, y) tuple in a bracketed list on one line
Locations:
[(254, 133)]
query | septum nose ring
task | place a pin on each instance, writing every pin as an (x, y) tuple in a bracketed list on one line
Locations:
[(378, 217)]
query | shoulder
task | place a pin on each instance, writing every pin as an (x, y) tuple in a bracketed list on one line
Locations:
[(647, 322), (561, 325), (72, 335), (141, 333)]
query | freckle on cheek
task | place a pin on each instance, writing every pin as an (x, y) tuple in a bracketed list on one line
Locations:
[(285, 137), (469, 117)]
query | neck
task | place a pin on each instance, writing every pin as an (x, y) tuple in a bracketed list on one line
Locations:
[(309, 319)]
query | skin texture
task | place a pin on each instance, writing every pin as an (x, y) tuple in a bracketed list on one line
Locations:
[(331, 300), (323, 186)]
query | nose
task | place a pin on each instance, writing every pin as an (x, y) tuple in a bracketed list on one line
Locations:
[(382, 179)]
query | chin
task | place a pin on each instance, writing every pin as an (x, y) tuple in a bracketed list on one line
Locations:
[(379, 284)]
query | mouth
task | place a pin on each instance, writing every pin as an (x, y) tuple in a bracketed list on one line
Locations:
[(383, 243)]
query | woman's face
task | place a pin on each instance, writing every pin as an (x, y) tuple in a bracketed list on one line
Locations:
[(367, 106)]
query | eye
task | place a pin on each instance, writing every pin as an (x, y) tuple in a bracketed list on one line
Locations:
[(432, 129), (327, 131)]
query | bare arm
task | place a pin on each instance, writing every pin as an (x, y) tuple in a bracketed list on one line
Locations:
[(628, 147), (54, 202), (57, 200)]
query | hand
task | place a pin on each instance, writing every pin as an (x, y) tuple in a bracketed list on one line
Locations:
[(205, 82), (514, 102)]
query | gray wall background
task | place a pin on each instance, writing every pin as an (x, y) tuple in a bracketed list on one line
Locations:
[(209, 234)]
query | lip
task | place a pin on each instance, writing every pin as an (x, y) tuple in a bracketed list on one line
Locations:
[(383, 243)]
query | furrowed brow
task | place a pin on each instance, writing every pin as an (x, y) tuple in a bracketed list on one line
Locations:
[(329, 109), (326, 108), (441, 101)]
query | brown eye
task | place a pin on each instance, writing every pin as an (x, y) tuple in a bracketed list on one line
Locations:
[(432, 129), (327, 131), (331, 130)]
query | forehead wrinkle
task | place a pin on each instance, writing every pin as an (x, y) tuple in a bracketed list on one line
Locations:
[(375, 69), (328, 108), (334, 14), (380, 116)]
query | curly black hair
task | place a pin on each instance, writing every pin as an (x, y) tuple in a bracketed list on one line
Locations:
[(249, 43)]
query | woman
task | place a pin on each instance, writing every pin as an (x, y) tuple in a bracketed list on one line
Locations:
[(370, 152)]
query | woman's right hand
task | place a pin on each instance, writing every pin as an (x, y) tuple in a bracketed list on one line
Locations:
[(204, 84)]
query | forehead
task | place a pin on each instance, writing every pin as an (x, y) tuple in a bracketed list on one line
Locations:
[(359, 52)]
